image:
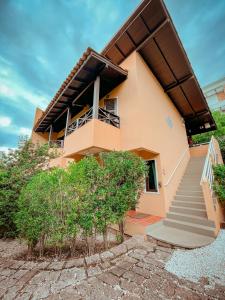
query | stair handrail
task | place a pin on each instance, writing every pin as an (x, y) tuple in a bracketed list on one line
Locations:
[(210, 161), (179, 162)]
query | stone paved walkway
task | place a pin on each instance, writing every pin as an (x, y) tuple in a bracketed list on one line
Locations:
[(133, 270)]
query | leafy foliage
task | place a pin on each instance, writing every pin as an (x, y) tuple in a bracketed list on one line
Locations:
[(58, 205), (219, 185), (16, 168), (219, 133)]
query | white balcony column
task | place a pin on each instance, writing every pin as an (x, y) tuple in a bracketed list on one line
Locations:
[(96, 98), (50, 134), (67, 121)]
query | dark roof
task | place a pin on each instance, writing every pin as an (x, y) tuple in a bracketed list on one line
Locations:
[(79, 81), (151, 32)]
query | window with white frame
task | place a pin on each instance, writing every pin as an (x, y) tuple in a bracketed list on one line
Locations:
[(111, 105), (151, 183)]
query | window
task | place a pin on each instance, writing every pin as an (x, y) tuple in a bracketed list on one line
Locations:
[(151, 184), (111, 105)]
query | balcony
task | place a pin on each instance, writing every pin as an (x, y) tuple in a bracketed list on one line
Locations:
[(88, 135)]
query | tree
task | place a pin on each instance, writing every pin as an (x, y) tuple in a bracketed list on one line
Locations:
[(123, 183), (219, 133), (16, 168), (85, 180)]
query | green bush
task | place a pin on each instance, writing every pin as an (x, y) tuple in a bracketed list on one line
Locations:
[(219, 184), (58, 205), (219, 133), (16, 169)]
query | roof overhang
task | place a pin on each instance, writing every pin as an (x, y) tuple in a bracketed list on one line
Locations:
[(151, 32), (79, 82)]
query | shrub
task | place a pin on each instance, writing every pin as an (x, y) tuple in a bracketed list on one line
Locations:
[(57, 205), (219, 184), (16, 168)]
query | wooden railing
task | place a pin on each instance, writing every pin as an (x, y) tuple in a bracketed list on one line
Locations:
[(56, 144), (103, 115), (210, 161)]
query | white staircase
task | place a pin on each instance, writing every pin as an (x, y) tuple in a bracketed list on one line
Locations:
[(186, 223)]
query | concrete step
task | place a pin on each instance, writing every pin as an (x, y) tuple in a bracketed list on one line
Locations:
[(177, 237), (193, 181), (190, 186), (188, 204), (191, 219), (189, 192), (195, 228), (188, 211), (198, 199)]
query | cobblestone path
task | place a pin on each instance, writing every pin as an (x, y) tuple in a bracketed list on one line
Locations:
[(132, 270)]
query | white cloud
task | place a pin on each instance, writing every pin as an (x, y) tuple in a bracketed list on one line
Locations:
[(5, 121), (24, 131)]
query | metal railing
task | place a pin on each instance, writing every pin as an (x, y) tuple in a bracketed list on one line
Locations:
[(108, 117), (56, 144), (80, 121), (103, 115), (210, 161)]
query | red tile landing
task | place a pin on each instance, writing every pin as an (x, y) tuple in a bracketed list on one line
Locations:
[(132, 217)]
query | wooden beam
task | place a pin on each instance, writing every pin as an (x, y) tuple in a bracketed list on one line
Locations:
[(143, 44), (177, 84), (84, 90)]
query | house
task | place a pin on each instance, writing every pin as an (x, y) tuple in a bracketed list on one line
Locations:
[(140, 94), (215, 95)]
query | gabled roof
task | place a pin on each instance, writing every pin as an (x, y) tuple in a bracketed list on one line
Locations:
[(82, 76), (150, 31)]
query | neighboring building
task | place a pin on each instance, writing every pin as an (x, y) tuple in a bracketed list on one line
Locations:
[(215, 95), (140, 94)]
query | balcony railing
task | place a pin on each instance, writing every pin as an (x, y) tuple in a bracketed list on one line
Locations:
[(103, 115), (56, 144)]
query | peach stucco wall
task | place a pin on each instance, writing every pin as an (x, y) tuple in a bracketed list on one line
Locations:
[(149, 120), (94, 134)]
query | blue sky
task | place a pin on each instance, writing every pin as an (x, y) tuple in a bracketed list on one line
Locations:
[(41, 40)]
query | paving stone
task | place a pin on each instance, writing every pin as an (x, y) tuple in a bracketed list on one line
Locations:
[(130, 297), (69, 293), (18, 274), (41, 291), (79, 262), (73, 274), (125, 265), (118, 271), (109, 278), (119, 250), (164, 249), (131, 243), (93, 271), (131, 287), (29, 265), (141, 271), (17, 264), (106, 255), (132, 276), (153, 283), (137, 255), (7, 272), (153, 262), (43, 265), (93, 259), (56, 265), (162, 255), (104, 265)]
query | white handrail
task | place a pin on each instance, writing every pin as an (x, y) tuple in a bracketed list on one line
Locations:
[(210, 161), (181, 158)]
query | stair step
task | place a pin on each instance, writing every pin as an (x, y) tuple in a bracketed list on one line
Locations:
[(189, 189), (177, 237), (195, 228), (192, 186), (189, 192), (191, 219), (188, 204), (188, 211), (198, 198)]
